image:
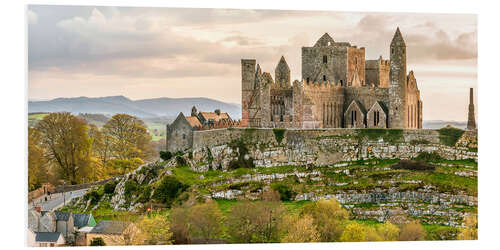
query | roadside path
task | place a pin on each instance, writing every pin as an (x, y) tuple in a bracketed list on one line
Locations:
[(57, 200)]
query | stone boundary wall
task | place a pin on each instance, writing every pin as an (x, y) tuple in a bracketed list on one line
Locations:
[(68, 188), (210, 138)]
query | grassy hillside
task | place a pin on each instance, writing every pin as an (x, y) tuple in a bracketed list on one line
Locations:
[(351, 177)]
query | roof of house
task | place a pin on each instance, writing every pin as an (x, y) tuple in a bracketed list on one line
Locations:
[(85, 229), (47, 236), (81, 220), (62, 216), (110, 227), (214, 116), (193, 121)]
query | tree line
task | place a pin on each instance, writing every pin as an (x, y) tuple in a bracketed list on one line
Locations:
[(65, 148), (267, 221)]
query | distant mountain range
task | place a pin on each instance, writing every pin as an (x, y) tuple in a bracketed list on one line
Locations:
[(147, 108), (161, 107)]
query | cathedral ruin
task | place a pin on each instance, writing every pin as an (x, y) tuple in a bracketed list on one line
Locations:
[(339, 89)]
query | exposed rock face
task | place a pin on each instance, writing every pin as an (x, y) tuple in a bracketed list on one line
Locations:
[(320, 147)]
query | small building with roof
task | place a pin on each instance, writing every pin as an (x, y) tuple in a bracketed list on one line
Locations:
[(83, 220), (180, 131), (65, 224), (49, 239), (114, 233)]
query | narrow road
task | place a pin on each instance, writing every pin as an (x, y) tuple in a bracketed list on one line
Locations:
[(56, 201)]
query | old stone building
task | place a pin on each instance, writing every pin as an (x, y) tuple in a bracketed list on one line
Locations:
[(180, 131), (339, 89)]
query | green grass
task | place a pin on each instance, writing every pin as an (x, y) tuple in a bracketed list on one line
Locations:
[(33, 118), (449, 136), (161, 128), (389, 135)]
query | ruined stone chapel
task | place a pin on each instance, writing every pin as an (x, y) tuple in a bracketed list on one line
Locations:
[(339, 89)]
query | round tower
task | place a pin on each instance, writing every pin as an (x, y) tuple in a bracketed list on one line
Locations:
[(397, 82)]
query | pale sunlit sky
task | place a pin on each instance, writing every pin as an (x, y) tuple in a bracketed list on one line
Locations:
[(170, 52)]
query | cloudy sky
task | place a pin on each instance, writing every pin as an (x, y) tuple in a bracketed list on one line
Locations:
[(170, 52)]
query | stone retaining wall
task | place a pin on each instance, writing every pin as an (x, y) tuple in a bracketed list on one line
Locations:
[(316, 146)]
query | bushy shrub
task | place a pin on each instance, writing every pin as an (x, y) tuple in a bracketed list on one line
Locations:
[(428, 157), (450, 135), (166, 155), (94, 196), (145, 195), (168, 189), (180, 161), (413, 165), (286, 193), (279, 134), (109, 187), (98, 241), (130, 187)]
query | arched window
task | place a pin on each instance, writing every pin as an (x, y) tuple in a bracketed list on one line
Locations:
[(374, 118), (184, 136), (325, 59), (324, 77), (307, 80), (355, 60)]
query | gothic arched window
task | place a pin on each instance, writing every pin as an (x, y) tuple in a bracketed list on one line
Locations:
[(325, 59)]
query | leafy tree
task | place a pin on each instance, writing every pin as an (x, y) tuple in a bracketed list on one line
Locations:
[(168, 189), (329, 218), (109, 187), (129, 137), (116, 167), (388, 231), (179, 225), (65, 139), (154, 230), (271, 195), (371, 234), (300, 229), (101, 144), (412, 231), (37, 164), (285, 192), (98, 241), (353, 232), (166, 155), (255, 221), (469, 232), (205, 220)]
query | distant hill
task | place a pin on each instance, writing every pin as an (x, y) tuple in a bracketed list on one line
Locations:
[(437, 124), (147, 108)]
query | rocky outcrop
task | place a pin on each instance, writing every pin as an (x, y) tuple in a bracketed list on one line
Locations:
[(296, 149)]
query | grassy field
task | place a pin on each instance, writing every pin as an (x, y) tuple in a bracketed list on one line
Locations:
[(35, 117), (157, 130)]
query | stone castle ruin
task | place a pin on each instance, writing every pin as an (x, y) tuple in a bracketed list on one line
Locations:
[(180, 131), (339, 89)]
